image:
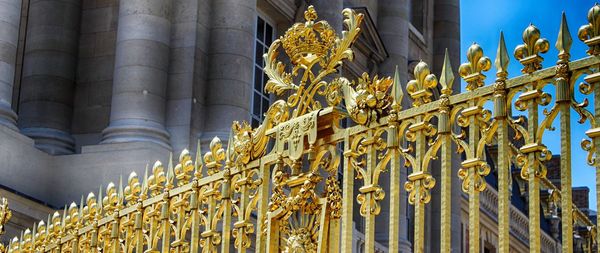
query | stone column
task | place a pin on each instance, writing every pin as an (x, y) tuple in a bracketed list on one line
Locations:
[(392, 23), (141, 73), (46, 103), (10, 17), (446, 34), (230, 68)]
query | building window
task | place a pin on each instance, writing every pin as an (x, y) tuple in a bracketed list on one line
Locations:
[(260, 99), (417, 14)]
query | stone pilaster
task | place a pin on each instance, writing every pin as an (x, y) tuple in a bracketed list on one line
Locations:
[(446, 34), (46, 103), (10, 17), (230, 67), (392, 23), (141, 73)]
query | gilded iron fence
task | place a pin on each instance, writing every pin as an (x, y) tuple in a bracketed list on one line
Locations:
[(286, 196)]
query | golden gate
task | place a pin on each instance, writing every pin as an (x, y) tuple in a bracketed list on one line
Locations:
[(275, 188)]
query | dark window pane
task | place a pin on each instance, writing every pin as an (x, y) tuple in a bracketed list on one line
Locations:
[(256, 104), (265, 79), (260, 29), (257, 79), (269, 35), (258, 50), (255, 123)]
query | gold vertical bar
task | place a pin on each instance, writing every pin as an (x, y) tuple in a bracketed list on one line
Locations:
[(563, 99), (114, 235), (533, 181), (504, 181), (446, 81), (565, 165), (370, 217), (596, 142), (446, 193), (473, 192), (139, 232), (394, 228), (348, 198), (166, 226), (419, 206), (226, 202), (263, 205), (195, 233)]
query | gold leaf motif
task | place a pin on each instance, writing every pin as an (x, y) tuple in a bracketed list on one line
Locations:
[(528, 52), (590, 33), (420, 88), (471, 70)]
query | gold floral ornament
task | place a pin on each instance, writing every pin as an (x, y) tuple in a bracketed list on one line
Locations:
[(185, 168), (215, 156), (590, 33), (309, 44), (5, 215), (425, 183), (133, 189), (471, 70), (420, 88), (528, 53), (367, 102)]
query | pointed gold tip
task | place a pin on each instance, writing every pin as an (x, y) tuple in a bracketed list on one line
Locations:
[(447, 76), (502, 57), (397, 92), (170, 173), (145, 182), (100, 198), (564, 41), (120, 194)]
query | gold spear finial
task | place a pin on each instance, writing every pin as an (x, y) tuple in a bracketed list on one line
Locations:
[(397, 93), (564, 41), (502, 58), (447, 76), (170, 172), (198, 161), (144, 192)]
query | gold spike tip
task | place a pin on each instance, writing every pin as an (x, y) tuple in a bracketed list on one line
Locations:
[(502, 58), (397, 92), (564, 41), (447, 76), (170, 173)]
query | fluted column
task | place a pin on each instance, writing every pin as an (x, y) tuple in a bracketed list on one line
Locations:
[(446, 34), (392, 23), (141, 73), (10, 16), (231, 57), (47, 87)]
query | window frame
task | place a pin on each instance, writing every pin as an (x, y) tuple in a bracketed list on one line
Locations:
[(262, 95)]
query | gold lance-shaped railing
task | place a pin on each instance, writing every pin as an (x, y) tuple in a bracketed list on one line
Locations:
[(295, 183)]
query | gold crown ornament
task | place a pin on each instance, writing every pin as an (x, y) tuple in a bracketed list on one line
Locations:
[(306, 43)]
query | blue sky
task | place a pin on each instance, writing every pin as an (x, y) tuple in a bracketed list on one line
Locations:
[(482, 21)]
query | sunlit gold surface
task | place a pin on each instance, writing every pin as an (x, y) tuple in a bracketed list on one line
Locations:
[(276, 188)]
